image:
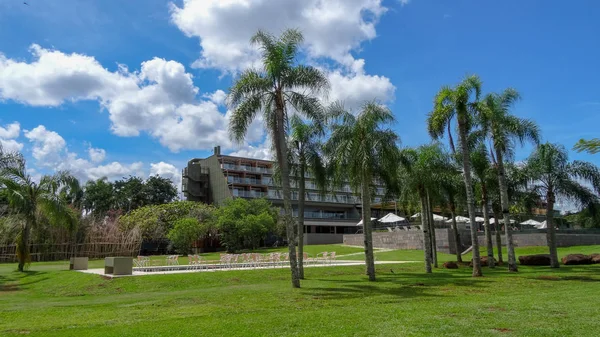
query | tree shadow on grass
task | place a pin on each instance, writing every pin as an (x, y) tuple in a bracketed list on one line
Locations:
[(401, 285), (20, 280)]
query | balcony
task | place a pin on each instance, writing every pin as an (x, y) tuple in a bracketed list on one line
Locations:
[(323, 215), (249, 181), (248, 194), (245, 168)]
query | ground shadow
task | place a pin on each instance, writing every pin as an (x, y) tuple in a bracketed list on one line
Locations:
[(20, 280)]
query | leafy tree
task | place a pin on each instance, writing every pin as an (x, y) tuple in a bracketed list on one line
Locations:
[(244, 223), (305, 158), (186, 231), (130, 193), (159, 190), (98, 196), (362, 149), (155, 221), (281, 85), (460, 102), (505, 130), (30, 201), (554, 176)]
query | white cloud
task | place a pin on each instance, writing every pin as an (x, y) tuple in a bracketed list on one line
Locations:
[(331, 28), (96, 155), (160, 99), (218, 97), (50, 152), (8, 133), (261, 151), (47, 146), (404, 2)]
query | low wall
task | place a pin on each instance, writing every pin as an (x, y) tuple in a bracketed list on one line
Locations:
[(539, 239), (323, 239), (412, 239)]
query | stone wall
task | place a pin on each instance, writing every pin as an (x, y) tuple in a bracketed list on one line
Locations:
[(412, 239), (538, 238)]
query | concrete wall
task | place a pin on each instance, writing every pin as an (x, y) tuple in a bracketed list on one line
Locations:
[(323, 239), (539, 239), (218, 183), (412, 239)]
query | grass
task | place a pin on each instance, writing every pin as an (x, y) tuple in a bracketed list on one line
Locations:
[(333, 301)]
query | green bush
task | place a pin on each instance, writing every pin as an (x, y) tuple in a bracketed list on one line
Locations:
[(186, 231)]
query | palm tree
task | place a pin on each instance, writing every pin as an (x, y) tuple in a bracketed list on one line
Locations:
[(31, 201), (361, 150), (551, 173), (588, 145), (481, 170), (504, 129), (460, 102), (281, 84), (305, 155), (451, 186), (421, 175)]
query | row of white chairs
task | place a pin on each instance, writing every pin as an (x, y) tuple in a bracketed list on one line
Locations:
[(142, 261), (401, 229)]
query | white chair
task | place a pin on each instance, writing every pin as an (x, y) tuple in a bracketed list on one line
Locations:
[(323, 258), (390, 229)]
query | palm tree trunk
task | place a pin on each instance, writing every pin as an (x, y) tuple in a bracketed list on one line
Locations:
[(23, 248), (301, 198), (488, 230), (432, 231), (281, 148), (512, 261), (424, 227), (457, 245), (470, 199), (451, 140), (550, 231), (368, 234), (498, 234)]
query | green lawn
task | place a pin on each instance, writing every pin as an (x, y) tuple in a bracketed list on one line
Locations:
[(334, 301)]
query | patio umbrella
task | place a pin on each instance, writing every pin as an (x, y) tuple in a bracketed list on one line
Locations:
[(492, 221), (460, 219), (391, 218), (361, 223), (531, 222), (416, 215), (542, 225), (439, 218), (479, 219)]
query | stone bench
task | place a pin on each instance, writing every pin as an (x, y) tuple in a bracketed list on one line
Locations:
[(118, 265), (78, 263)]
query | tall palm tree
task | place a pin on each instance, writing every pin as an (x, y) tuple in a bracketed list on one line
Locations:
[(504, 130), (281, 84), (421, 174), (305, 158), (451, 185), (551, 173), (31, 201), (362, 149), (460, 102), (481, 170)]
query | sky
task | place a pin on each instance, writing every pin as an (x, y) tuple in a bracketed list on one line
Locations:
[(116, 88)]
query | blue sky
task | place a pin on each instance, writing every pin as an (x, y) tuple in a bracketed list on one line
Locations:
[(71, 72)]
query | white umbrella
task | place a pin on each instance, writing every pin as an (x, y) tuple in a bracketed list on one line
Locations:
[(460, 219), (416, 215), (542, 225), (531, 222), (492, 221), (479, 219), (361, 223), (391, 217), (438, 218)]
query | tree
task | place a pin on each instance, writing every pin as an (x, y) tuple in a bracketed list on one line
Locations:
[(481, 170), (130, 193), (504, 130), (361, 150), (243, 224), (281, 84), (460, 102), (551, 173), (31, 201), (159, 190), (186, 231), (452, 188), (305, 158), (590, 145), (98, 196)]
